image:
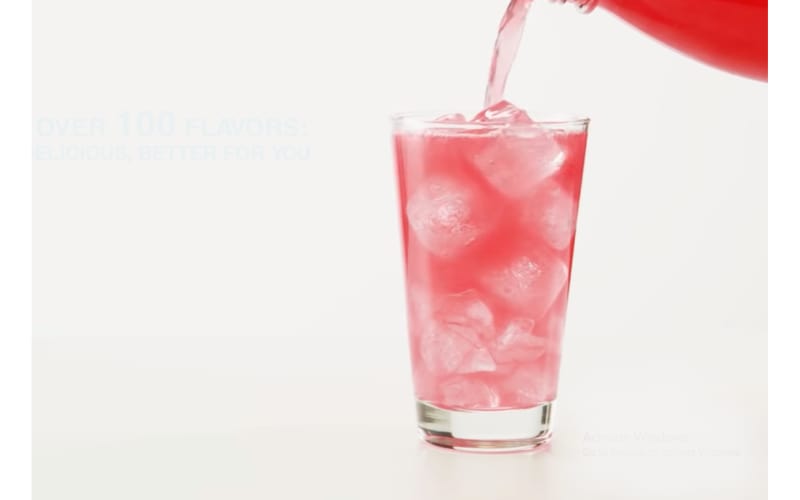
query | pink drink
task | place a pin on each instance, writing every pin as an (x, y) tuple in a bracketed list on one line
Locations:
[(488, 221), (489, 207)]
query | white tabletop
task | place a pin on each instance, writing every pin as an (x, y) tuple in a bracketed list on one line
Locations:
[(247, 418)]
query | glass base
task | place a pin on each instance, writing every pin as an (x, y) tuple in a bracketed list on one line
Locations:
[(485, 431)]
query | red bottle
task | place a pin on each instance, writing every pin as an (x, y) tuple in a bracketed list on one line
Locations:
[(728, 34)]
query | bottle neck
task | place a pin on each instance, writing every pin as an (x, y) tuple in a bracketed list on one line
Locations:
[(584, 6)]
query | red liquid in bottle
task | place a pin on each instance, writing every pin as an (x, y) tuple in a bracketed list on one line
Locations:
[(728, 34)]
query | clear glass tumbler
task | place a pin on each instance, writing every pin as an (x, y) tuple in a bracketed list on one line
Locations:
[(488, 216)]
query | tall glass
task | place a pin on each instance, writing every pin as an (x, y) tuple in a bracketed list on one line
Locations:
[(488, 220)]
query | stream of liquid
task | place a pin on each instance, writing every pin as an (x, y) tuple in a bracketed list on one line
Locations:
[(506, 45)]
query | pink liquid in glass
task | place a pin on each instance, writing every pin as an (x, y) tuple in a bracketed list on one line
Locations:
[(488, 216)]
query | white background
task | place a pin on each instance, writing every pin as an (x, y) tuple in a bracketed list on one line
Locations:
[(232, 328)]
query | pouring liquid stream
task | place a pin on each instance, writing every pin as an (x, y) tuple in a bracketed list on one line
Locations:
[(509, 36)]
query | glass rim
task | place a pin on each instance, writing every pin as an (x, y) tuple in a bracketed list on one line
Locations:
[(427, 119)]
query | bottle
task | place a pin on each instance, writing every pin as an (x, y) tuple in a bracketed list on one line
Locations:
[(728, 34)]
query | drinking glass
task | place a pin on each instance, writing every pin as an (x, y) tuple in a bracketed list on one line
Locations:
[(488, 215)]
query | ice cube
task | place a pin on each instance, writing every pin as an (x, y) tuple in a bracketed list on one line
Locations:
[(419, 308), (515, 161), (451, 118), (551, 326), (517, 342), (462, 392), (528, 283), (556, 324), (529, 386), (466, 310), (447, 215), (503, 112), (446, 350), (551, 213), (454, 339)]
